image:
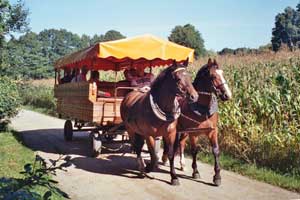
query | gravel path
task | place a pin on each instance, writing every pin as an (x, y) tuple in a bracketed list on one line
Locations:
[(115, 175)]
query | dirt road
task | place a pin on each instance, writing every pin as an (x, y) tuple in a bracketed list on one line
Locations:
[(115, 175)]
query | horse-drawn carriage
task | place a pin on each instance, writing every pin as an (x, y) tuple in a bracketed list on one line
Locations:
[(83, 103), (143, 115)]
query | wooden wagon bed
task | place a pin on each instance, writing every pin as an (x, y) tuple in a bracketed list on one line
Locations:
[(80, 101)]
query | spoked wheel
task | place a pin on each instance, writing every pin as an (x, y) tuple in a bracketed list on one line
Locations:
[(68, 130), (95, 144)]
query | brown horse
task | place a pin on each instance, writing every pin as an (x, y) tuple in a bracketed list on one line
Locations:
[(155, 113), (202, 117)]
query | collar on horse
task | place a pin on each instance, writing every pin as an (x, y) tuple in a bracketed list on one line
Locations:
[(159, 113), (205, 110)]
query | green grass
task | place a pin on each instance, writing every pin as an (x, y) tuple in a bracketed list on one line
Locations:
[(287, 181), (14, 155)]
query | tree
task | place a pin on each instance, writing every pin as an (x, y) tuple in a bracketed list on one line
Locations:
[(287, 29), (112, 35), (188, 36), (96, 39), (13, 18), (298, 7)]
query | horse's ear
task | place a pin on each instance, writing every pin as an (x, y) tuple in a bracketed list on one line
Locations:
[(216, 63), (174, 62), (209, 62), (186, 62)]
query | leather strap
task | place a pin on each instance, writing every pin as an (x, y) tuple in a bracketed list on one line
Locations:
[(159, 113)]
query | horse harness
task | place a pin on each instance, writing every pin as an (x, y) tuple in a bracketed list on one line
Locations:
[(160, 114), (202, 111)]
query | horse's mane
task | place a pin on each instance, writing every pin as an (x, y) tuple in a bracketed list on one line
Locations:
[(200, 73), (156, 84)]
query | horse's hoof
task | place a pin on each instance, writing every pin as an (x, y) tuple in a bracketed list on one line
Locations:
[(196, 176), (149, 168), (217, 181), (164, 160), (182, 169), (175, 181)]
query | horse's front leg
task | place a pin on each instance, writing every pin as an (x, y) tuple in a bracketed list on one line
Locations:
[(194, 151), (138, 144), (154, 159), (216, 153), (182, 143), (164, 157), (172, 141)]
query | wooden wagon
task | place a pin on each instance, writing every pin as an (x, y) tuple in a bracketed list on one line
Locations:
[(83, 104)]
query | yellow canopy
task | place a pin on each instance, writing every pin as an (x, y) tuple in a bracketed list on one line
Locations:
[(142, 51)]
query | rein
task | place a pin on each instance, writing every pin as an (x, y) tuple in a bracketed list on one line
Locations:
[(191, 119)]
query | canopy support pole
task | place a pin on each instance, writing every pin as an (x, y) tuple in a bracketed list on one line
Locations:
[(55, 76), (115, 84)]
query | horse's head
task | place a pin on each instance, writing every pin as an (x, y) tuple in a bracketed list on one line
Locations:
[(182, 79), (210, 78), (176, 80)]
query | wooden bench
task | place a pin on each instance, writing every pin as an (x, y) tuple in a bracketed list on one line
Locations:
[(112, 88)]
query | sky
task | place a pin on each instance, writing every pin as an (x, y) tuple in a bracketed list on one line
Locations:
[(222, 23)]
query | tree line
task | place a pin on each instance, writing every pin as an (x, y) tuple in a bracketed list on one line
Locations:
[(32, 55)]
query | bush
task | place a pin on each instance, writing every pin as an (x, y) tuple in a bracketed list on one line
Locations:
[(9, 99), (38, 97)]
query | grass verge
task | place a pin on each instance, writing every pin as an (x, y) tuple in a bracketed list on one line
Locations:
[(14, 157), (287, 181)]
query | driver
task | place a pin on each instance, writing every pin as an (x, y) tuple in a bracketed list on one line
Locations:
[(138, 77)]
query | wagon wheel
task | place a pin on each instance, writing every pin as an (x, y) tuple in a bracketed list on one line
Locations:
[(78, 125), (95, 144), (68, 130)]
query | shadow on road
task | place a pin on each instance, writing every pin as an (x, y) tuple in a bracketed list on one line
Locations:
[(52, 141), (119, 163)]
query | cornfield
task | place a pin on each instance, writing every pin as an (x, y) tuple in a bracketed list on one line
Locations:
[(261, 124)]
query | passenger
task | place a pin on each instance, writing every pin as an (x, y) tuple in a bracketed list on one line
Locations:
[(138, 77), (80, 77), (130, 74), (95, 80), (144, 78), (95, 77), (67, 77)]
